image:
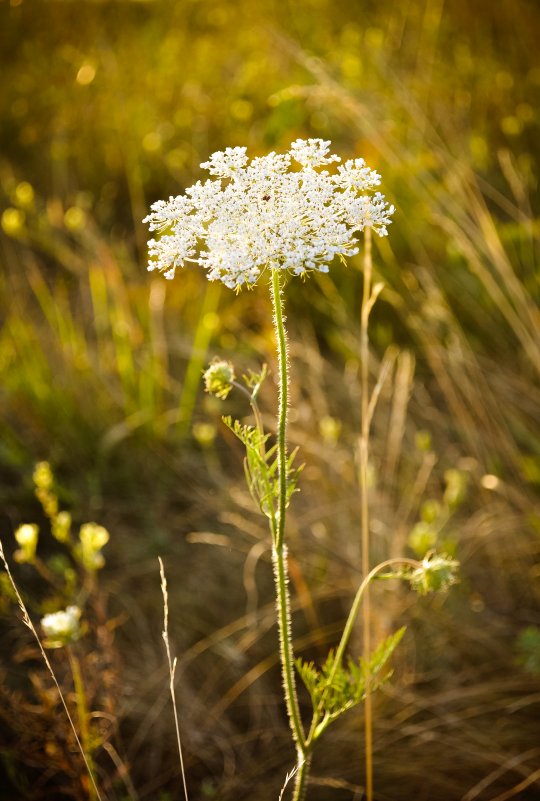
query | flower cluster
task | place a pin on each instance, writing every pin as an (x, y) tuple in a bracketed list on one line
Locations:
[(263, 213), (62, 628), (218, 378), (92, 538), (436, 573)]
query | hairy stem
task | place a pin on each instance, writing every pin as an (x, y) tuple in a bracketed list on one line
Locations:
[(281, 341), (279, 550), (301, 776), (285, 647)]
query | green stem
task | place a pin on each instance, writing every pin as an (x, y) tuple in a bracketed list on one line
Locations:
[(347, 631), (364, 498), (279, 559), (281, 339), (301, 776), (82, 712), (253, 403), (279, 554)]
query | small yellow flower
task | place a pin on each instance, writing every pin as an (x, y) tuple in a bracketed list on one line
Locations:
[(92, 539), (27, 537), (61, 526), (43, 477)]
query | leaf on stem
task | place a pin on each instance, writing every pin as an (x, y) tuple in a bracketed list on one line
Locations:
[(334, 689), (261, 467)]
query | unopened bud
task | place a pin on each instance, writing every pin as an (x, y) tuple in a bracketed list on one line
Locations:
[(218, 378), (435, 574)]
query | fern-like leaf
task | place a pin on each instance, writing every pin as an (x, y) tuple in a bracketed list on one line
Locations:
[(334, 688)]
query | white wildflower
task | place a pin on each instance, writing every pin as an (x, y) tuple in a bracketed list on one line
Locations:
[(226, 164), (62, 628), (262, 214), (312, 153)]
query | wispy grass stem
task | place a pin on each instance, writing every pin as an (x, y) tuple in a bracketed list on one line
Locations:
[(172, 670)]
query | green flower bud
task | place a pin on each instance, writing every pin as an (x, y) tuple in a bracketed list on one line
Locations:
[(218, 378), (436, 574), (430, 511), (43, 477), (61, 526), (456, 487), (92, 539), (43, 481), (422, 538)]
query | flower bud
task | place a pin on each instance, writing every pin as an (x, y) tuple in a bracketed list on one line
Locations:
[(43, 477), (61, 526), (27, 537), (435, 574), (422, 538), (218, 378), (92, 539), (456, 487)]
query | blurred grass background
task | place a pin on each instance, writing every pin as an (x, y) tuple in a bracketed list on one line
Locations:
[(108, 106)]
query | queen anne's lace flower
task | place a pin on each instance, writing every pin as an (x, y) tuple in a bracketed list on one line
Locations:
[(263, 214)]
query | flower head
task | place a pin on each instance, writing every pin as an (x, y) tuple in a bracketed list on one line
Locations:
[(61, 628), (218, 378), (27, 537), (92, 538), (263, 213), (436, 574)]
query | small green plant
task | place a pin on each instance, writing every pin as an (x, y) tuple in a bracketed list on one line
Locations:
[(262, 218), (71, 596)]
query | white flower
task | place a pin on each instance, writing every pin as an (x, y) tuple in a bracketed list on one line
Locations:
[(62, 628), (228, 163), (263, 214), (312, 153)]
